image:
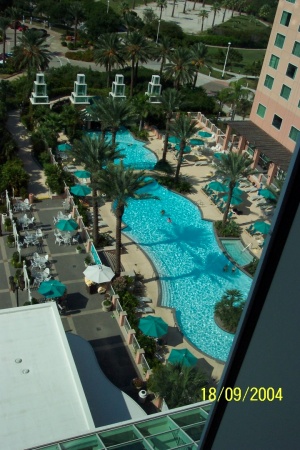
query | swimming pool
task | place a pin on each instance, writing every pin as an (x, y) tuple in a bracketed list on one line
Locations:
[(135, 153), (189, 263), (236, 250), (205, 134)]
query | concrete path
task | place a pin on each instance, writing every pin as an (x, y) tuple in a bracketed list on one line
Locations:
[(36, 185)]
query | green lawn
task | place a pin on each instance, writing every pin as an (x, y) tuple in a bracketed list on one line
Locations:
[(249, 56)]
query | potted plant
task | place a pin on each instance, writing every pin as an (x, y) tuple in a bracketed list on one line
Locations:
[(106, 305), (10, 240), (7, 224), (138, 383), (78, 249), (88, 260)]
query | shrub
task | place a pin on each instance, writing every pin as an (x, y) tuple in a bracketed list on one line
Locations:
[(64, 44), (86, 55), (229, 309), (54, 178), (230, 229), (164, 166), (251, 268), (183, 186), (71, 46)]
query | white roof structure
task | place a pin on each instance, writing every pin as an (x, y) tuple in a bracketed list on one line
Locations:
[(41, 395)]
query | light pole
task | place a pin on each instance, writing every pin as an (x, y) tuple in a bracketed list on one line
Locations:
[(229, 44), (107, 6), (158, 31)]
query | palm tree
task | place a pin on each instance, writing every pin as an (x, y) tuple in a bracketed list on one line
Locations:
[(203, 14), (122, 184), (14, 15), (216, 8), (170, 100), (229, 309), (164, 49), (94, 154), (136, 49), (173, 10), (114, 113), (108, 53), (76, 11), (237, 94), (179, 385), (32, 52), (4, 23), (161, 4), (225, 5), (232, 167), (183, 128), (198, 51), (179, 68)]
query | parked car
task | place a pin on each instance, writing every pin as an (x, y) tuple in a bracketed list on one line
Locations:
[(15, 25), (22, 28)]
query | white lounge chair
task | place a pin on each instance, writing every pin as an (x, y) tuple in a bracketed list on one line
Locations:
[(144, 299), (144, 310), (201, 163)]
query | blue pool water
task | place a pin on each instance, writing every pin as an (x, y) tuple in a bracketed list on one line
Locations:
[(135, 153), (237, 251), (189, 263), (205, 134)]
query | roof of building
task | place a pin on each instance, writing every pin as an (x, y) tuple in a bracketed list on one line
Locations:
[(42, 398), (259, 139)]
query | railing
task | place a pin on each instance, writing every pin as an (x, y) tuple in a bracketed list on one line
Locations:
[(127, 326), (144, 364), (119, 308), (135, 344)]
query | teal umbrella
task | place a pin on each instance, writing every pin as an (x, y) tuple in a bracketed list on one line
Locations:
[(80, 190), (262, 227), (153, 326), (187, 148), (267, 194), (173, 140), (52, 289), (218, 155), (82, 174), (235, 200), (236, 191), (196, 142), (67, 225), (217, 186), (184, 357), (64, 147)]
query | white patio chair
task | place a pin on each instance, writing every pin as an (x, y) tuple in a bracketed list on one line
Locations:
[(39, 233), (75, 239), (67, 240), (59, 240)]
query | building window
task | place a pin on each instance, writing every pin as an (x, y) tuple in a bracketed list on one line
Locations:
[(296, 49), (261, 110), (291, 1), (285, 18), (291, 71), (274, 61), (269, 82), (294, 133), (285, 92), (279, 41), (299, 104), (277, 121)]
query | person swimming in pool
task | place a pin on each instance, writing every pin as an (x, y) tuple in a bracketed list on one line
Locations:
[(169, 219), (162, 212)]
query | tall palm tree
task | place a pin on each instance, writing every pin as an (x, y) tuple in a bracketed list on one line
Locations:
[(164, 49), (236, 94), (203, 14), (179, 68), (76, 11), (94, 154), (170, 100), (225, 5), (183, 128), (14, 15), (4, 23), (32, 52), (136, 49), (122, 184), (161, 4), (109, 53), (232, 167), (114, 113), (198, 51), (174, 4), (216, 8)]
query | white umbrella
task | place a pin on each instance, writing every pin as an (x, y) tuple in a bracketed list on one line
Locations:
[(99, 273)]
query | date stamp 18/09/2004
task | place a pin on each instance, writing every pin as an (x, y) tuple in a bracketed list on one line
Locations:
[(237, 394)]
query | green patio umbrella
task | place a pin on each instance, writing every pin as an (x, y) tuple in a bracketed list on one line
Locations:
[(173, 140), (196, 141), (262, 227), (183, 356), (67, 225), (153, 326), (267, 194), (64, 147), (218, 155), (218, 187), (235, 200), (52, 289), (82, 174), (186, 149), (80, 190)]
